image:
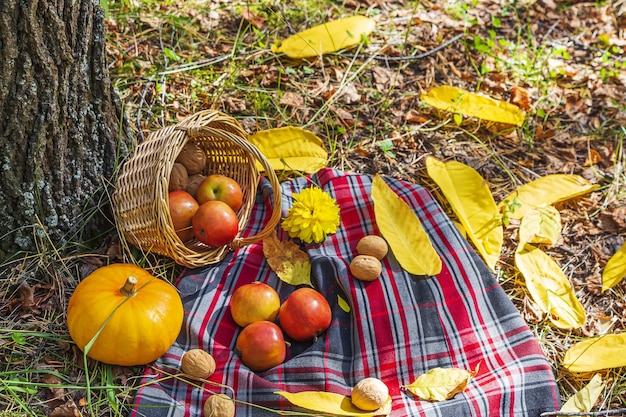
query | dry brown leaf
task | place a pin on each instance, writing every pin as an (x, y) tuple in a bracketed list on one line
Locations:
[(520, 97), (52, 380), (286, 259), (27, 298), (68, 409), (291, 99)]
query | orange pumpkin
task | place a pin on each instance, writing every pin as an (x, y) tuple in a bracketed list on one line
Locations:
[(139, 316)]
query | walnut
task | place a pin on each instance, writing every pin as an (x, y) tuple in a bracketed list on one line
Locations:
[(193, 157), (372, 245), (193, 183), (365, 267), (370, 394), (178, 178), (198, 363), (219, 405)]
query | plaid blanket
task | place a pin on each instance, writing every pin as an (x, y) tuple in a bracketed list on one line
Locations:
[(398, 327)]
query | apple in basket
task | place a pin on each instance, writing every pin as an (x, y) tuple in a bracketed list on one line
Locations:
[(305, 314), (261, 346), (222, 188), (215, 223), (182, 209)]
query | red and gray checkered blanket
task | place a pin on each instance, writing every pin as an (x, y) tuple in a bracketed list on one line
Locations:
[(397, 328)]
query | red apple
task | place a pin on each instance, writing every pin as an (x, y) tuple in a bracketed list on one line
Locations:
[(254, 302), (261, 346), (215, 224), (182, 209), (222, 188), (305, 314)]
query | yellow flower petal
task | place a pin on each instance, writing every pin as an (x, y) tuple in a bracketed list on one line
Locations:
[(313, 215)]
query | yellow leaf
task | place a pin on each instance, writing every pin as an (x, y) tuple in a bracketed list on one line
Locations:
[(343, 304), (585, 399), (325, 38), (331, 403), (540, 225), (287, 260), (472, 202), (543, 192), (550, 288), (615, 269), (290, 148), (594, 354), (440, 384), (403, 231), (457, 100)]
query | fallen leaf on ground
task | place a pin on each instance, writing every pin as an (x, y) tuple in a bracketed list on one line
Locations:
[(550, 288), (459, 101), (286, 259), (602, 352), (68, 409), (440, 384), (290, 149), (403, 231), (325, 38), (543, 192), (585, 399), (540, 225), (331, 403), (472, 202), (615, 269)]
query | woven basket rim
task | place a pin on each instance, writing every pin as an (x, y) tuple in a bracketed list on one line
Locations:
[(205, 126)]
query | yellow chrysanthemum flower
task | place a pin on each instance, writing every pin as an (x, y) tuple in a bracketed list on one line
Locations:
[(313, 215)]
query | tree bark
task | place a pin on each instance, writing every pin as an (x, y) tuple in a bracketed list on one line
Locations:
[(60, 125)]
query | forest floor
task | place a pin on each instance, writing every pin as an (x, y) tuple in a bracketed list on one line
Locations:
[(563, 63)]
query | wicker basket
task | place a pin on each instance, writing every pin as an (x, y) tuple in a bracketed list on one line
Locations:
[(141, 198)]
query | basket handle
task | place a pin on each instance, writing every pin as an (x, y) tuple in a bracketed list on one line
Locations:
[(240, 140)]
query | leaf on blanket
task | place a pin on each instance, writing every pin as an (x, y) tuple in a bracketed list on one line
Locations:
[(331, 403), (472, 202), (540, 225), (287, 260), (343, 304), (290, 149), (543, 192), (586, 398), (403, 231), (440, 384), (457, 100), (550, 288), (325, 38), (615, 269), (602, 352)]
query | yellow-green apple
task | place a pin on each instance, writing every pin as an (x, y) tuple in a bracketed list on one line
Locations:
[(252, 302), (215, 223), (222, 188)]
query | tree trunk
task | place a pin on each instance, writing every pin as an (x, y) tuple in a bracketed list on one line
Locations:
[(60, 124)]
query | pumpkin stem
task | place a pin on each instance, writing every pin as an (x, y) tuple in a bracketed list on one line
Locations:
[(129, 287)]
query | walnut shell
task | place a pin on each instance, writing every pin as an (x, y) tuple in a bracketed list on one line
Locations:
[(193, 183), (193, 157), (372, 245), (370, 394), (198, 363), (365, 267), (178, 178), (219, 405)]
